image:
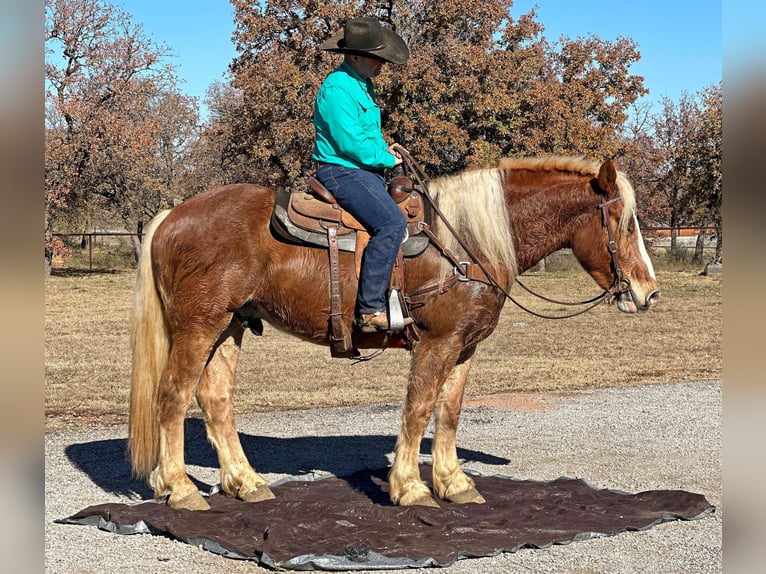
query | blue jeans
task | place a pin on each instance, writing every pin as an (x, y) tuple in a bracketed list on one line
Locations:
[(363, 194)]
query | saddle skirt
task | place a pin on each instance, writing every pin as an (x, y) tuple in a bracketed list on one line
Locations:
[(303, 216)]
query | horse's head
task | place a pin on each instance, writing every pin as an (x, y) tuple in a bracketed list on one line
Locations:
[(610, 247)]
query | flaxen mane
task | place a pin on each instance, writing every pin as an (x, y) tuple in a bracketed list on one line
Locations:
[(474, 203)]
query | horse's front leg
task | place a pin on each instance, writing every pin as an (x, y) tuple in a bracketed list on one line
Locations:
[(431, 363), (215, 395), (450, 482)]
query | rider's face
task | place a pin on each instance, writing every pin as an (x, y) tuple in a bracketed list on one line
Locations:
[(366, 67)]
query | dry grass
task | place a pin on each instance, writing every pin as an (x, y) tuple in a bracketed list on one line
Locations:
[(87, 359)]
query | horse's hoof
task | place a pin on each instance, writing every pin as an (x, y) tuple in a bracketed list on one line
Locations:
[(466, 497), (419, 500), (193, 501), (257, 494), (426, 501)]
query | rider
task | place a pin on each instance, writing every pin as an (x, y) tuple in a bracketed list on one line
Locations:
[(351, 155)]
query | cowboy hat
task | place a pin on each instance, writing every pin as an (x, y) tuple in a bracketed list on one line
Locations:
[(367, 37)]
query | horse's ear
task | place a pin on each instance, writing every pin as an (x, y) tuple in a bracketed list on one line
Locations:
[(607, 176)]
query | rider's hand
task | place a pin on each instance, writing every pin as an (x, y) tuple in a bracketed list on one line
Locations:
[(393, 149)]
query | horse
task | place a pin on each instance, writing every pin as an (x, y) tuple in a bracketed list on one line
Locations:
[(212, 259)]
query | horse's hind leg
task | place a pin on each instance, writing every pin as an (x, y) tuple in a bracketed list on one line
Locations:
[(450, 482), (215, 395), (182, 371)]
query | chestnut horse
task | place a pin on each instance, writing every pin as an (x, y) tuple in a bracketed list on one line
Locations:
[(214, 258)]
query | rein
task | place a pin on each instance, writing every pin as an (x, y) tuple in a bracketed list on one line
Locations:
[(621, 283)]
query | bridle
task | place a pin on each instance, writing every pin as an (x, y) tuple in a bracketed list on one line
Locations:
[(621, 282), (620, 286)]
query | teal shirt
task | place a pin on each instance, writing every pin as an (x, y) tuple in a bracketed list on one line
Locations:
[(347, 123)]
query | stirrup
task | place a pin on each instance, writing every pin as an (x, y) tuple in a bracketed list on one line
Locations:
[(377, 322)]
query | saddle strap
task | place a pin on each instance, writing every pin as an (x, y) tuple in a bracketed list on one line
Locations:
[(426, 229), (340, 341), (463, 271), (398, 286)]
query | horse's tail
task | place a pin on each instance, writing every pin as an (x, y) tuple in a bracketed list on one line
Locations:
[(150, 343)]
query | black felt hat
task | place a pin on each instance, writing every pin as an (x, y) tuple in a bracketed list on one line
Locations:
[(367, 37)]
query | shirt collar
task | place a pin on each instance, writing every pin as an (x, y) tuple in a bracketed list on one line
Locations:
[(351, 72)]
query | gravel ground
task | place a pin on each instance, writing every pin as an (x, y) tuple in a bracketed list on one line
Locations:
[(632, 439)]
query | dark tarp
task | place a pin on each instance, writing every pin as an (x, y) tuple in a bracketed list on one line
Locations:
[(349, 523)]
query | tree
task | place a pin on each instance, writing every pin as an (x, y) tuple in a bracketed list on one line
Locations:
[(707, 178), (113, 114), (217, 156), (673, 131), (640, 157), (176, 132), (682, 149), (479, 85)]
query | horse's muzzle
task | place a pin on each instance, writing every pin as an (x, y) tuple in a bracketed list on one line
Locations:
[(652, 299), (630, 302)]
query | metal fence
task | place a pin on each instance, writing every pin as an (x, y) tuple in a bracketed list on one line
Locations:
[(92, 237)]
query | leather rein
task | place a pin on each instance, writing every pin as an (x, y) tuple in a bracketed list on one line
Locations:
[(475, 270)]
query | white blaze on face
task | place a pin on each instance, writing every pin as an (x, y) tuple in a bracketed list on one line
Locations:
[(642, 248)]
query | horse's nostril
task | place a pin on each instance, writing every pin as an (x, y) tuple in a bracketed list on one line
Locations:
[(653, 297)]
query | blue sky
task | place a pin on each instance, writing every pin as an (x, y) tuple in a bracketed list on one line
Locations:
[(680, 40)]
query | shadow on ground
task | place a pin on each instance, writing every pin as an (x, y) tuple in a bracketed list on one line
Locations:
[(83, 272), (106, 464)]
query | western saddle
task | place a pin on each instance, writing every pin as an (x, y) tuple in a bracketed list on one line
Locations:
[(314, 217)]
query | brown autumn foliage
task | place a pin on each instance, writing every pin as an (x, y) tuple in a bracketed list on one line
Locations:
[(676, 165), (115, 121), (481, 83)]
